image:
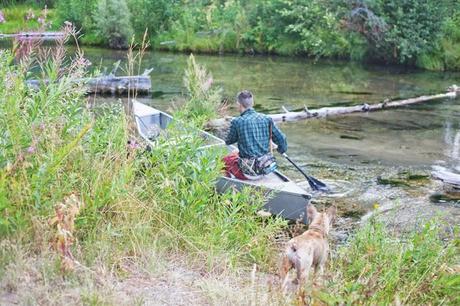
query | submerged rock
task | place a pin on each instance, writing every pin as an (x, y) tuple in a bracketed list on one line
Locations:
[(351, 137), (405, 178)]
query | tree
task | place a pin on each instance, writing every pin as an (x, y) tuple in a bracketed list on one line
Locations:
[(398, 30), (113, 22)]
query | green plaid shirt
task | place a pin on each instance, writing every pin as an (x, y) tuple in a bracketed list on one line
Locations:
[(252, 132)]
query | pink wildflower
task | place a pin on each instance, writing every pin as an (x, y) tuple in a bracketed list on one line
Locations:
[(133, 145), (2, 17), (31, 149), (208, 84), (30, 15)]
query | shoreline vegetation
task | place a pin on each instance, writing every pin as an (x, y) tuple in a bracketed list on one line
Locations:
[(87, 217), (417, 33)]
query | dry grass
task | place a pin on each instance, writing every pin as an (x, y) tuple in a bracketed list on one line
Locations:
[(151, 279)]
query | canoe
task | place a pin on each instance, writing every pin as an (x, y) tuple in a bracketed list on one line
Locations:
[(284, 197)]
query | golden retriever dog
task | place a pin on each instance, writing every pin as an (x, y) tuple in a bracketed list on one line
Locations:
[(310, 249)]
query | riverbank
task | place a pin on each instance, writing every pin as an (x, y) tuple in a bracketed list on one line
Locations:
[(421, 34), (88, 219)]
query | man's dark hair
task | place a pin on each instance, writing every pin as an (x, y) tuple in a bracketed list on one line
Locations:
[(245, 99)]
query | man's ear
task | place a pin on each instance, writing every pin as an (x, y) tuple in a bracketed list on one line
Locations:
[(311, 212)]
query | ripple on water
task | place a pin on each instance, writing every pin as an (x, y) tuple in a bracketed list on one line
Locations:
[(338, 188)]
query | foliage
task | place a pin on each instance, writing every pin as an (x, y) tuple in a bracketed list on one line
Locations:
[(77, 12), (54, 149), (40, 3), (377, 268), (405, 32), (204, 102), (398, 31), (113, 22), (447, 54), (27, 18), (155, 15), (315, 25), (450, 43)]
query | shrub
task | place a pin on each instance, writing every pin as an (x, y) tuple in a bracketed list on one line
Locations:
[(112, 19), (155, 15), (398, 31), (76, 12), (316, 26)]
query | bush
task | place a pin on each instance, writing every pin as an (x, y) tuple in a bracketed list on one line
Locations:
[(113, 22), (316, 26), (77, 12), (398, 31), (155, 15)]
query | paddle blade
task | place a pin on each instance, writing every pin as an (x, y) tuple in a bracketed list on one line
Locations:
[(314, 183), (317, 185)]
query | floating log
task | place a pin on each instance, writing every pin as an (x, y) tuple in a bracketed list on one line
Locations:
[(114, 85), (451, 180), (452, 91), (35, 35), (445, 175)]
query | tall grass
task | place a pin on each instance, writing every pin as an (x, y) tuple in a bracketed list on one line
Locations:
[(379, 268), (53, 146), (204, 100)]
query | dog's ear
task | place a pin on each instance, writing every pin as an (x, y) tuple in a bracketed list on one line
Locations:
[(332, 212), (311, 212)]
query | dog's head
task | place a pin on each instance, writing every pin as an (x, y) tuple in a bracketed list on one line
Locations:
[(324, 219)]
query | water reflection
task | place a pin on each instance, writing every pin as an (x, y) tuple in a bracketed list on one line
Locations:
[(452, 145)]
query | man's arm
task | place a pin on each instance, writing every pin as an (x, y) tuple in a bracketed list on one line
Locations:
[(278, 137), (232, 135)]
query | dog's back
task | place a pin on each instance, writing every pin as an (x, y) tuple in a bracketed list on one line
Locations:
[(309, 249)]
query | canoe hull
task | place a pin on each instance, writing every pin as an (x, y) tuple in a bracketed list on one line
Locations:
[(288, 205)]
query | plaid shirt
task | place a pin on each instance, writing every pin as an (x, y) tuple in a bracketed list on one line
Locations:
[(252, 132)]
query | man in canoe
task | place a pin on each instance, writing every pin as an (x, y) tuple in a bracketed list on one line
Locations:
[(254, 133)]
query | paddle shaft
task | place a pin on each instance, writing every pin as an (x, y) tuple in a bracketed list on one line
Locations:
[(297, 167), (314, 183)]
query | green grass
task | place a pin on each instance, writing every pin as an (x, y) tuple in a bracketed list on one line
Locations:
[(379, 268), (16, 21), (53, 146)]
